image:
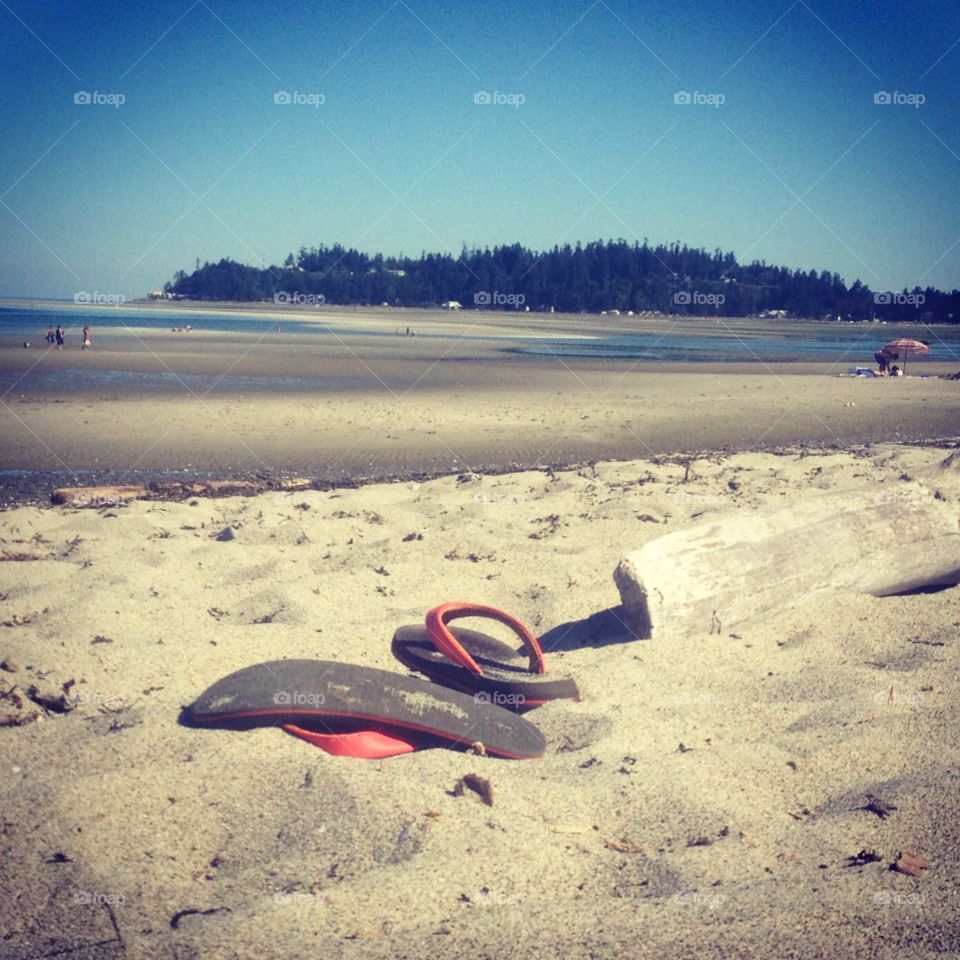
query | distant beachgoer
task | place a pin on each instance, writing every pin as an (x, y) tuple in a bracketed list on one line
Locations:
[(895, 371), (51, 336), (60, 337), (882, 362), (86, 337)]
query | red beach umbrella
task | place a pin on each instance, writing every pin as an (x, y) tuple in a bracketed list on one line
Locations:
[(905, 347)]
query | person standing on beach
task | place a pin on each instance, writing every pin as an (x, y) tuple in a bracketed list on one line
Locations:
[(59, 337), (86, 337), (51, 336)]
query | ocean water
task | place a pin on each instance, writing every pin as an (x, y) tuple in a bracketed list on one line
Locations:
[(851, 344)]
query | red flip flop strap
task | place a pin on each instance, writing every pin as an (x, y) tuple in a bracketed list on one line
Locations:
[(366, 744), (449, 646)]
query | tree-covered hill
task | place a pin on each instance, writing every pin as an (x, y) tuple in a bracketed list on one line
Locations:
[(598, 276)]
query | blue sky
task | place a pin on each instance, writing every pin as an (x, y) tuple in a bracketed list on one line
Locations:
[(781, 153)]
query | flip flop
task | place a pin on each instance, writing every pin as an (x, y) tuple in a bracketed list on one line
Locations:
[(479, 664), (360, 711)]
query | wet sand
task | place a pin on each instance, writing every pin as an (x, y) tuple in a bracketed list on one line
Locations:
[(383, 405)]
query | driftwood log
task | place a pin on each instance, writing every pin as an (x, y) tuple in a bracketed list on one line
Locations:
[(110, 496), (740, 566), (97, 497)]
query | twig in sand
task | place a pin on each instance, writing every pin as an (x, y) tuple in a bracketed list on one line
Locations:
[(880, 807), (865, 856), (622, 846)]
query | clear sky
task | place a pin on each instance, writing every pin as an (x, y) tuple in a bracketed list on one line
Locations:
[(781, 153)]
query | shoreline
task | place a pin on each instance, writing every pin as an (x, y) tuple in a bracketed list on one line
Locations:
[(34, 488), (349, 407), (387, 316)]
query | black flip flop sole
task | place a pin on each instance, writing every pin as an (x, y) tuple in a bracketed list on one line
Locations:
[(333, 696), (506, 679)]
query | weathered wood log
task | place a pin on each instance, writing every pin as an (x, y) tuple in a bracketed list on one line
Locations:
[(178, 490), (291, 483), (97, 496), (233, 488), (740, 566)]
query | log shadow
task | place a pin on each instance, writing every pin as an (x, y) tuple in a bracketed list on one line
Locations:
[(601, 629)]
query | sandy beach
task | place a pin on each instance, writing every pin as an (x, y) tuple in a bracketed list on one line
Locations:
[(376, 405), (709, 796), (627, 338), (740, 791)]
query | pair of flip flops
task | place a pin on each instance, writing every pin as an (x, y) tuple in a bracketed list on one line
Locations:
[(481, 687)]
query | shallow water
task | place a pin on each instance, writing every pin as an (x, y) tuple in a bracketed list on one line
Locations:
[(78, 378), (734, 341)]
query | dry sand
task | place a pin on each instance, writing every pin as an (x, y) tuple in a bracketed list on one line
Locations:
[(701, 801)]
